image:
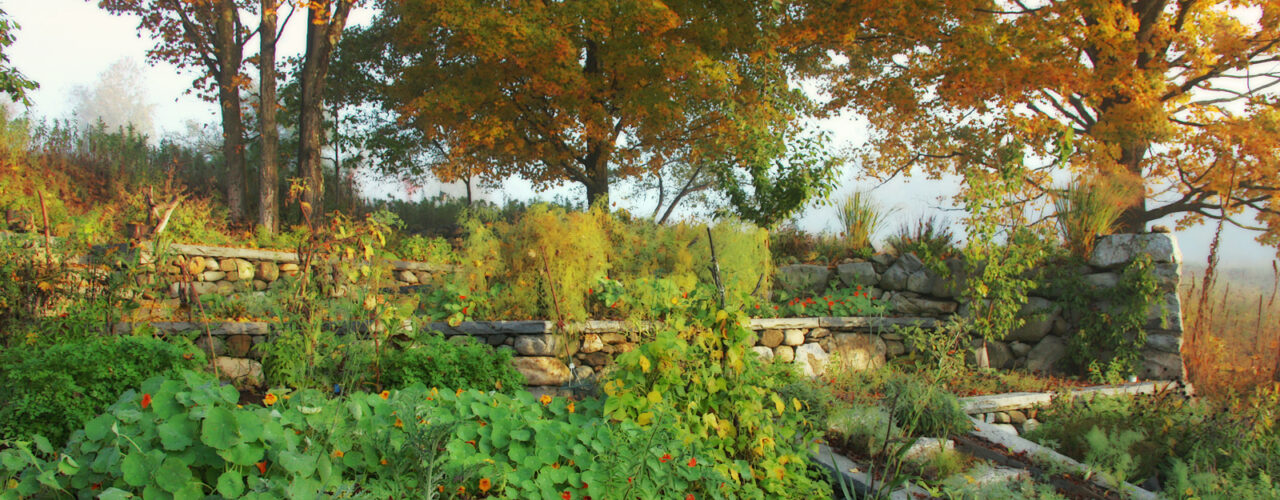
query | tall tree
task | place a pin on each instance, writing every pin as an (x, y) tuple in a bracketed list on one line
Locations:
[(205, 35), (1175, 95), (118, 99), (326, 20), (269, 172), (12, 81), (587, 92)]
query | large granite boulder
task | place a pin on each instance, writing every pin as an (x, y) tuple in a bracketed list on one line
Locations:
[(803, 278), (1116, 250), (858, 273)]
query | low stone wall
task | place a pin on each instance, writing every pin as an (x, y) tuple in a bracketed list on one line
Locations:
[(910, 288), (226, 270)]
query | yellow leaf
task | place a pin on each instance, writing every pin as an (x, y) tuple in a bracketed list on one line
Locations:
[(644, 364), (644, 418), (654, 397)]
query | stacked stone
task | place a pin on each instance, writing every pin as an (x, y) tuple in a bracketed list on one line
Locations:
[(909, 288), (245, 270)]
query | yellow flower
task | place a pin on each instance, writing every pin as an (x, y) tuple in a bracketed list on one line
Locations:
[(675, 300), (385, 394), (545, 399), (270, 399)]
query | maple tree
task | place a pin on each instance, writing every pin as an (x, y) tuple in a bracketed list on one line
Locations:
[(1174, 96), (207, 36), (588, 92), (325, 22), (12, 81)]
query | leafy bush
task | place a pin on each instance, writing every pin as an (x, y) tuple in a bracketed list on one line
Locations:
[(433, 361), (698, 378), (51, 390), (925, 410), (188, 438), (1197, 448)]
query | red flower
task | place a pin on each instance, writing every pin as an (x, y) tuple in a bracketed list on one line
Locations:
[(566, 495), (462, 297), (472, 442), (262, 467), (146, 401), (693, 461), (859, 288), (688, 497), (665, 457)]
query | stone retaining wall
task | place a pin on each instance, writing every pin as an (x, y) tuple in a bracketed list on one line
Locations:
[(225, 270), (910, 288)]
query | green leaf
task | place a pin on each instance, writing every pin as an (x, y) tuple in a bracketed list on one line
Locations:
[(249, 425), (297, 463), (114, 494), (42, 444), (231, 484), (98, 428), (173, 475), (175, 435), (219, 429), (136, 469), (68, 466), (245, 454)]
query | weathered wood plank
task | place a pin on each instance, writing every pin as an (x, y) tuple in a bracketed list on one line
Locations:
[(233, 253), (1021, 400), (783, 323)]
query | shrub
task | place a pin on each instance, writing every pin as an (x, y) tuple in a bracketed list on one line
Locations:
[(52, 390), (699, 379), (435, 362), (925, 410), (188, 438)]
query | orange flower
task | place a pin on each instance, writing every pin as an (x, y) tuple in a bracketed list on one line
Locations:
[(457, 392), (399, 423), (693, 461), (472, 442), (338, 453), (383, 461), (384, 394), (545, 399), (270, 399), (440, 489), (146, 401), (462, 490), (485, 485), (570, 407), (566, 495), (666, 457), (262, 467)]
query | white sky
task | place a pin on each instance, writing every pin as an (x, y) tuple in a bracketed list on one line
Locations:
[(65, 43)]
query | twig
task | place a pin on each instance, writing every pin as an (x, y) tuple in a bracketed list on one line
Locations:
[(715, 267), (48, 241)]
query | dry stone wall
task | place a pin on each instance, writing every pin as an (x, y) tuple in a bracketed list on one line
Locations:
[(915, 293), (910, 288)]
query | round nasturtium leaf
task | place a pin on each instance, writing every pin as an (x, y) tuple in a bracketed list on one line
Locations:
[(219, 429), (173, 475), (231, 484)]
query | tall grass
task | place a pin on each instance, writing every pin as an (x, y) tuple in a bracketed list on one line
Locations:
[(929, 238), (1232, 338), (1087, 208), (860, 218)]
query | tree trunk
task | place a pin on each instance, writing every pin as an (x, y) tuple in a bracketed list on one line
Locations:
[(1134, 218), (269, 174), (323, 33), (597, 178), (231, 55)]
